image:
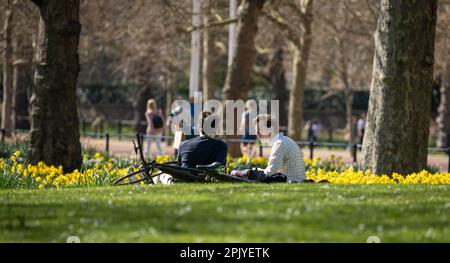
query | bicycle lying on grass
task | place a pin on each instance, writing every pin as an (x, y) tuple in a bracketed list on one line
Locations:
[(202, 173)]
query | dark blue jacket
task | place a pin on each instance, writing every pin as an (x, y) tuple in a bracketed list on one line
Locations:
[(202, 150)]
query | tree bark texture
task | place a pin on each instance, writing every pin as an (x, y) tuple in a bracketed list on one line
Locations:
[(8, 69), (396, 137), (55, 135), (348, 94), (299, 67), (443, 119), (169, 101), (239, 73), (208, 45), (22, 82), (276, 75), (143, 95)]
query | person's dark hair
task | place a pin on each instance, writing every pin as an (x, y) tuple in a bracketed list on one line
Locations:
[(264, 117), (266, 121), (204, 115)]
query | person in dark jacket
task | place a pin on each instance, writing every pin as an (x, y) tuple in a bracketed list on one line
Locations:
[(203, 149)]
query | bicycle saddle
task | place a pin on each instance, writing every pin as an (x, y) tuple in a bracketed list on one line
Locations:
[(212, 166)]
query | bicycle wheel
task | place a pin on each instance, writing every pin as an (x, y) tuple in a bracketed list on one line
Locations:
[(142, 175)]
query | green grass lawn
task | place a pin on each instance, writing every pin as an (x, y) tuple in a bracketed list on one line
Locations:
[(228, 213)]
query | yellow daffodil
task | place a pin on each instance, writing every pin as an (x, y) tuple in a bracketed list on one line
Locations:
[(105, 171)]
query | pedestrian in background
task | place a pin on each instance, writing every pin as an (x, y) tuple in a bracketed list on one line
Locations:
[(155, 126), (361, 125)]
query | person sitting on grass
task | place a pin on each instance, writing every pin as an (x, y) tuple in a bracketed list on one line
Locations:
[(203, 149), (285, 152)]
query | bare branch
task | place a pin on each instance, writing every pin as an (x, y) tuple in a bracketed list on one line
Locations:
[(286, 28), (213, 24), (357, 17), (263, 51)]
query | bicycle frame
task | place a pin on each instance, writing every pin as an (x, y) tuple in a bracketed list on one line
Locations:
[(179, 173)]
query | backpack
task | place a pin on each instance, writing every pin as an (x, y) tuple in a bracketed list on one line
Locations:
[(158, 122)]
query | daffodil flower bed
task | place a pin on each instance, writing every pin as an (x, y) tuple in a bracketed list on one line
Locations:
[(336, 171), (100, 170), (350, 176), (96, 171)]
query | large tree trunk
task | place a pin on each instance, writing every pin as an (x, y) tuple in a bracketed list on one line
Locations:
[(299, 66), (278, 82), (55, 135), (8, 69), (443, 119), (23, 80), (396, 138), (208, 41), (238, 75)]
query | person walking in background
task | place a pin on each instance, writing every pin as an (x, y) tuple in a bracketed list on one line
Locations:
[(191, 126), (352, 134), (316, 129), (309, 131), (155, 126), (361, 125), (313, 129), (98, 126), (354, 130), (247, 127)]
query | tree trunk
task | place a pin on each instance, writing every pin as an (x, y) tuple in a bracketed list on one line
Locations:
[(194, 84), (348, 91), (238, 76), (443, 119), (169, 101), (396, 138), (144, 94), (8, 69), (300, 64), (208, 41), (348, 94), (278, 82), (55, 135), (23, 80)]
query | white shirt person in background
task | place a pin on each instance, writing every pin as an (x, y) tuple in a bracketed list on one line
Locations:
[(285, 152)]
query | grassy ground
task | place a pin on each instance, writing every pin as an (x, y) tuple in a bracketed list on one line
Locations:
[(228, 213)]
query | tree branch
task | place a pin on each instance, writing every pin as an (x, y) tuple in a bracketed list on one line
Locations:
[(263, 51), (358, 18), (284, 26), (213, 24)]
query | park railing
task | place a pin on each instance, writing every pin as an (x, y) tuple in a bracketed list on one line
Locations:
[(354, 147), (118, 126), (310, 145)]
